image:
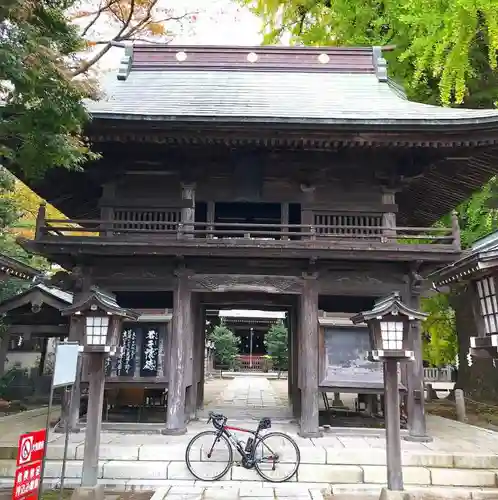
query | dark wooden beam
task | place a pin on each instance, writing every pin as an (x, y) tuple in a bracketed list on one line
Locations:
[(39, 330)]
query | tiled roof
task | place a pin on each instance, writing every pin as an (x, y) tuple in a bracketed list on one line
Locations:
[(204, 92), (17, 269), (57, 293), (472, 261)]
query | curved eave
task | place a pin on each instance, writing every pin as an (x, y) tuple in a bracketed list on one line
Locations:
[(483, 122), (469, 267)]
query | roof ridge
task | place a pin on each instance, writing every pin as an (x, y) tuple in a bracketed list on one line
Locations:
[(326, 59)]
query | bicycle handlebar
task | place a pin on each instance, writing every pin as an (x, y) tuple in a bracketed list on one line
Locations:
[(216, 417)]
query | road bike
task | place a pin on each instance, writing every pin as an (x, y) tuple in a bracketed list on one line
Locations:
[(209, 455)]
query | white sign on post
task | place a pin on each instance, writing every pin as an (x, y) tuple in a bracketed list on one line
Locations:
[(66, 361)]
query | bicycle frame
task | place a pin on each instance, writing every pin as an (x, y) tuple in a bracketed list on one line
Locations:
[(246, 455)]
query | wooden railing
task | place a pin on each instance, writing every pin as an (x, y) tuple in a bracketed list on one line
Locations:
[(123, 228), (438, 374), (416, 235), (251, 363)]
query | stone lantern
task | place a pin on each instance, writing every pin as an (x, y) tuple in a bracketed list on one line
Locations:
[(389, 324), (103, 320)]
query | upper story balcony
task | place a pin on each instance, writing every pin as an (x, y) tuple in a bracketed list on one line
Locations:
[(330, 234)]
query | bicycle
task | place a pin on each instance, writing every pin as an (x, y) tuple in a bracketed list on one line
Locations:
[(250, 456)]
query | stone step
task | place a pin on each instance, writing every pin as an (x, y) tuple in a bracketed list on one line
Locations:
[(309, 455), (122, 470), (270, 490)]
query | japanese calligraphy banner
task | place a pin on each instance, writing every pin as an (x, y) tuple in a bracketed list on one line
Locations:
[(30, 455)]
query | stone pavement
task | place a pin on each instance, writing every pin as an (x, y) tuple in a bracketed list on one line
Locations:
[(12, 426), (249, 397), (343, 461)]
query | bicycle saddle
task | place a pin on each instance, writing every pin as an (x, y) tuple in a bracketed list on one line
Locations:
[(264, 423), (216, 416)]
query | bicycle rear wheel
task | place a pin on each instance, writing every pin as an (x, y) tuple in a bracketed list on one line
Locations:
[(209, 456), (276, 457)]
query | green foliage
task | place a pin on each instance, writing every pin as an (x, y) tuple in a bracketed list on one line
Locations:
[(440, 346), (10, 211), (477, 216), (42, 113), (444, 50), (226, 345), (277, 345)]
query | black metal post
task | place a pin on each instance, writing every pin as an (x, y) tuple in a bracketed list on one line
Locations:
[(392, 420)]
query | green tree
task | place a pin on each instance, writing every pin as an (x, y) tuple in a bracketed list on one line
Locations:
[(445, 51), (42, 111), (440, 340), (226, 346), (277, 345)]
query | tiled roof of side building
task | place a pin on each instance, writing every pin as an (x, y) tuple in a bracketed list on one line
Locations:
[(280, 84), (17, 269), (484, 250)]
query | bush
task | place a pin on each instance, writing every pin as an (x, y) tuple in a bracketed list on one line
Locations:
[(267, 363), (226, 346), (276, 342)]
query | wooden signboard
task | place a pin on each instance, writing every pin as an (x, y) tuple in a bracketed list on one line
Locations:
[(344, 364)]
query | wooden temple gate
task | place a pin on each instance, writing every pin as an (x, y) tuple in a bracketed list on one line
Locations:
[(233, 194)]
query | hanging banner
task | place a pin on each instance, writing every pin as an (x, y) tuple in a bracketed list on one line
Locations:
[(150, 352)]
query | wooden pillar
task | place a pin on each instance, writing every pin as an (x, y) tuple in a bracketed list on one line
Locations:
[(193, 352), (94, 420), (284, 218), (4, 347), (392, 421), (309, 356), (210, 217), (40, 230), (202, 361), (455, 231), (415, 376), (175, 414), (188, 212), (43, 356), (389, 218), (107, 209), (307, 198), (290, 364)]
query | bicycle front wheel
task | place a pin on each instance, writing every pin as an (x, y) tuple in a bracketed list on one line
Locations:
[(276, 457), (209, 456)]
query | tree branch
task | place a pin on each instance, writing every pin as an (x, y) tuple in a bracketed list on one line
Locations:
[(97, 13), (88, 64)]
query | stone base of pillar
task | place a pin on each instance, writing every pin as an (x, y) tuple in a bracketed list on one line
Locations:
[(60, 430), (386, 494), (89, 493), (418, 439), (308, 435), (174, 432)]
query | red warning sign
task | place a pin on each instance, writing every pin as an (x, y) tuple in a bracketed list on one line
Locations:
[(31, 447)]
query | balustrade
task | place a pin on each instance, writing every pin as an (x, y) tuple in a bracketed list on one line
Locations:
[(167, 223)]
